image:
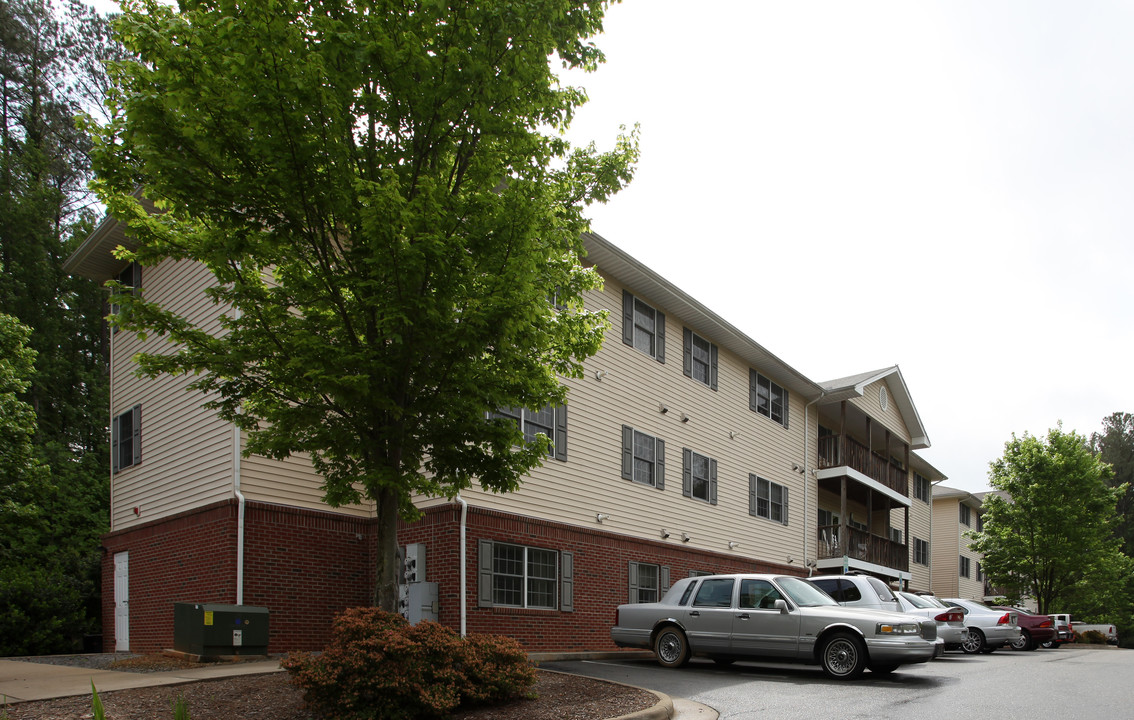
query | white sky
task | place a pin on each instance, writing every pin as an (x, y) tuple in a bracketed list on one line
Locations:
[(945, 186)]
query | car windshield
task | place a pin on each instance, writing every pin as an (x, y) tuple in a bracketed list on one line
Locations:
[(803, 593), (918, 601)]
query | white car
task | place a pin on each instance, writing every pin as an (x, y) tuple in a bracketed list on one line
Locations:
[(988, 629), (950, 619), (867, 591), (771, 617)]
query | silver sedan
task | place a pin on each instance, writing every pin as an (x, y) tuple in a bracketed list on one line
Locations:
[(771, 617), (988, 629)]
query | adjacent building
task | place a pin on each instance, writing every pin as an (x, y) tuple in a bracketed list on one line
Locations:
[(687, 447), (955, 514)]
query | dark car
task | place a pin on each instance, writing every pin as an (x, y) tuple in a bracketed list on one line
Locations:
[(1034, 629)]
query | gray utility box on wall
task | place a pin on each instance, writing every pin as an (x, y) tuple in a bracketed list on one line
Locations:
[(214, 630)]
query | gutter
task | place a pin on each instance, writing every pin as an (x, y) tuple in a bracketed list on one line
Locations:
[(807, 473), (463, 563), (241, 501)]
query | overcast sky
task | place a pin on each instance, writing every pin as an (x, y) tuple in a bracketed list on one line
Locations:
[(945, 186)]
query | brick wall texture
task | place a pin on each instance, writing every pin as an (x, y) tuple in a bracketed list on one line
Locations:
[(306, 566)]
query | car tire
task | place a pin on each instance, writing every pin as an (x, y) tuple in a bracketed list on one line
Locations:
[(671, 647), (1047, 644), (724, 661), (975, 642), (988, 649), (1024, 642), (843, 656)]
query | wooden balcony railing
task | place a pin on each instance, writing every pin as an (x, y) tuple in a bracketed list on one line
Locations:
[(863, 546), (856, 455)]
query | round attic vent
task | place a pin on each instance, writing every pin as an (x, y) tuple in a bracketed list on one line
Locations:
[(883, 399)]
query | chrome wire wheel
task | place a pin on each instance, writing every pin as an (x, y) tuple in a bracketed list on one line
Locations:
[(671, 648), (843, 657)]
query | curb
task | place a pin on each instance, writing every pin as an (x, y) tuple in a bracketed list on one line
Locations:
[(661, 710)]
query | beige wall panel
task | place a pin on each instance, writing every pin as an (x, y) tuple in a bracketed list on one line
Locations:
[(629, 393), (890, 418), (186, 451), (289, 482), (945, 550)]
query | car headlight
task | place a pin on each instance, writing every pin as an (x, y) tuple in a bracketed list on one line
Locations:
[(897, 629)]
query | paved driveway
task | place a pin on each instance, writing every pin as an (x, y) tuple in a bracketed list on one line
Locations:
[(1068, 683)]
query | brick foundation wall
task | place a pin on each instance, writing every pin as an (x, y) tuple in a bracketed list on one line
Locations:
[(306, 566)]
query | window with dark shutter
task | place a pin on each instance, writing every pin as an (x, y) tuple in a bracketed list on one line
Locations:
[(643, 327)]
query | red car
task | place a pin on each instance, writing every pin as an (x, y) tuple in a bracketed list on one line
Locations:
[(1034, 629)]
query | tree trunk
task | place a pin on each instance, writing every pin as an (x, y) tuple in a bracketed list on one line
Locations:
[(387, 568)]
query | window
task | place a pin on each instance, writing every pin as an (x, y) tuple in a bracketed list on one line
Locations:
[(131, 279), (714, 593), (827, 517), (700, 359), (895, 535), (979, 572), (767, 499), (698, 476), (921, 488), (643, 458), (643, 327), (966, 515), (920, 551), (524, 577), (964, 567), (647, 582), (980, 522), (126, 439), (767, 398), (550, 421), (758, 594)]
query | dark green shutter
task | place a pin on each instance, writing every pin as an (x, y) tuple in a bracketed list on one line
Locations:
[(567, 581), (663, 581), (659, 337), (633, 575), (484, 574), (686, 472), (751, 389), (137, 412), (713, 366), (659, 469), (561, 432), (687, 354), (627, 318), (627, 452), (751, 494), (114, 423), (785, 505), (712, 482)]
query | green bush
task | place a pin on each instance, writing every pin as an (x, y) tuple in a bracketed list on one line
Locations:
[(379, 667)]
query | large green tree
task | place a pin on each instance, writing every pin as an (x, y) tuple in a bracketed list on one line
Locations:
[(50, 69), (1115, 446), (392, 217), (1051, 534)]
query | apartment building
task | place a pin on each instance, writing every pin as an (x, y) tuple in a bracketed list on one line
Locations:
[(685, 448), (957, 570)]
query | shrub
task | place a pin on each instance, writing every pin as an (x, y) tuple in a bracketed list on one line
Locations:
[(379, 667), (1091, 637)]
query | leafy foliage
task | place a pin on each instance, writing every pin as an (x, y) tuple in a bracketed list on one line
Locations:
[(380, 195), (49, 71), (1050, 534), (379, 667)]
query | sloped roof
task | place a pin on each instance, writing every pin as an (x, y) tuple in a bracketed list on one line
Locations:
[(853, 386)]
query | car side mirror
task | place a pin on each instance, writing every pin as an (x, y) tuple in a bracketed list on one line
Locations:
[(781, 605)]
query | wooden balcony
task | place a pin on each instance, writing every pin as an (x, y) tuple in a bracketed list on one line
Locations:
[(843, 451), (863, 546)]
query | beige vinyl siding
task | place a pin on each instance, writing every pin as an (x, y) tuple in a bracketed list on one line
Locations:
[(921, 519), (186, 458), (944, 553), (890, 418), (291, 482), (629, 393)]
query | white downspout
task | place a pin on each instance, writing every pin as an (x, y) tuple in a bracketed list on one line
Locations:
[(461, 575), (807, 481), (240, 502)]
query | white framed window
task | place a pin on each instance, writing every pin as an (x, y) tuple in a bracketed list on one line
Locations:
[(920, 551), (550, 420), (921, 488), (643, 458), (965, 567), (698, 476), (126, 439), (511, 575), (767, 499), (648, 582), (895, 535), (700, 359), (767, 398), (966, 515), (643, 327)]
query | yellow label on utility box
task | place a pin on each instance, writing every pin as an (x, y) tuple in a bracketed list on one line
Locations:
[(208, 617)]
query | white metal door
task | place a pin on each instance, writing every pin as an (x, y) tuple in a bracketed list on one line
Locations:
[(121, 602)]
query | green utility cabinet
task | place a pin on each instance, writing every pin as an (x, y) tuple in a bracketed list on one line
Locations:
[(215, 630)]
